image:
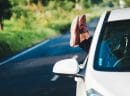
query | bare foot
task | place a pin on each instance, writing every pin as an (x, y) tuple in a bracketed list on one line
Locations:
[(75, 36), (79, 30)]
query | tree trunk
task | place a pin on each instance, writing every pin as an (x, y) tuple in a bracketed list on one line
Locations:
[(1, 24)]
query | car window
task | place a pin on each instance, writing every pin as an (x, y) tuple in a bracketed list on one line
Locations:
[(113, 48)]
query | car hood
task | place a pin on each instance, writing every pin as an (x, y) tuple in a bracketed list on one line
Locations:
[(112, 83)]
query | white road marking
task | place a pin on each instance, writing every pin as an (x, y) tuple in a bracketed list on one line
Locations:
[(54, 78), (22, 53)]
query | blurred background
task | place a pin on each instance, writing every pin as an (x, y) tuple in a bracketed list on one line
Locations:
[(24, 23), (34, 35)]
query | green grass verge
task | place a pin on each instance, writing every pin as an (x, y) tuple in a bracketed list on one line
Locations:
[(25, 32)]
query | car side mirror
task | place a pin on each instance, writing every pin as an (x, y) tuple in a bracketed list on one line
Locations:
[(66, 66)]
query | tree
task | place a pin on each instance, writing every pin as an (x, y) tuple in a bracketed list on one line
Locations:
[(5, 11), (127, 2)]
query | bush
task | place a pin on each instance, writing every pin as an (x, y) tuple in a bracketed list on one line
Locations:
[(34, 23)]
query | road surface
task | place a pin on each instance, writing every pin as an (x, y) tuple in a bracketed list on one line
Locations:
[(29, 73)]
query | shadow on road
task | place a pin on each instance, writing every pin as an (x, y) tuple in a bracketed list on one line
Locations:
[(29, 73)]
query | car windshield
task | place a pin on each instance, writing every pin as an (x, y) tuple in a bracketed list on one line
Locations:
[(113, 48)]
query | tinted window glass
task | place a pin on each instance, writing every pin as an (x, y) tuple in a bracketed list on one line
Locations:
[(113, 50)]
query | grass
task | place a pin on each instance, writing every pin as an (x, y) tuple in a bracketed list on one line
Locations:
[(26, 31)]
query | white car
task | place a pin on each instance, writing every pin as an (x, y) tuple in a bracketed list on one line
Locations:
[(106, 70)]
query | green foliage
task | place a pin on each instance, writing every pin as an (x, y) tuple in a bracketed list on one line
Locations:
[(18, 2), (110, 3), (33, 21), (19, 11), (127, 3), (5, 7), (85, 4), (64, 4), (19, 38)]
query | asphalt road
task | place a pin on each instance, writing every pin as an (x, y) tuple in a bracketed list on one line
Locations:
[(29, 73)]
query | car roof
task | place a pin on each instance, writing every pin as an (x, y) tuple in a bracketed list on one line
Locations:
[(119, 14)]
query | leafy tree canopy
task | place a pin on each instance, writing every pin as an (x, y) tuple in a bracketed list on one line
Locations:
[(5, 9)]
